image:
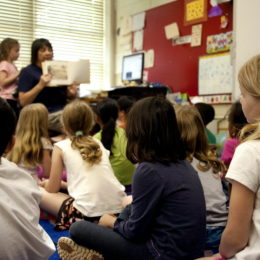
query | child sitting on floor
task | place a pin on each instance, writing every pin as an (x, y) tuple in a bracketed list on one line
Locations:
[(32, 148), (93, 189), (114, 139), (21, 235), (236, 121), (208, 167), (167, 215)]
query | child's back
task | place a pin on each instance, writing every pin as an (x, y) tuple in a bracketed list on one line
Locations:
[(114, 139), (21, 235), (95, 189), (208, 167)]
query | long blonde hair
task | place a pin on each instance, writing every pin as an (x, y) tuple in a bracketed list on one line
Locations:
[(193, 135), (249, 79), (31, 127), (78, 120)]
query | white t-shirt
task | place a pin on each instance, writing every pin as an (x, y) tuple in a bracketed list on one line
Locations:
[(21, 235), (245, 169), (95, 188), (216, 200)]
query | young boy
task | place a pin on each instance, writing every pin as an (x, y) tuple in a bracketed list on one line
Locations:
[(21, 235)]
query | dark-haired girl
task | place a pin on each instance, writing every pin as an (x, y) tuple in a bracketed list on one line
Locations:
[(114, 140), (167, 215), (236, 121)]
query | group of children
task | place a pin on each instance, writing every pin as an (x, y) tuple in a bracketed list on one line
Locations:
[(178, 207)]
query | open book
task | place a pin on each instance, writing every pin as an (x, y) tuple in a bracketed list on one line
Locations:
[(67, 72)]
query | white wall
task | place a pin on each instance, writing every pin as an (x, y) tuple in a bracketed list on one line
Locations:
[(246, 35)]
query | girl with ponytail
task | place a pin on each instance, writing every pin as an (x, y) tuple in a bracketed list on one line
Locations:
[(114, 140), (92, 187)]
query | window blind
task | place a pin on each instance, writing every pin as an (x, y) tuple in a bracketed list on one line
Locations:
[(74, 27), (16, 18)]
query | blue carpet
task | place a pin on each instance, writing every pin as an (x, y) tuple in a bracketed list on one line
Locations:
[(54, 234)]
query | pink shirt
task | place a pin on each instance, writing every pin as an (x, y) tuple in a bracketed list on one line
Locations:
[(229, 150), (10, 69)]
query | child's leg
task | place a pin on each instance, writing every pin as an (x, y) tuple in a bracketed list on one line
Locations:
[(51, 202), (107, 242)]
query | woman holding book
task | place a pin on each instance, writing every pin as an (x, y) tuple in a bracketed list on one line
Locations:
[(32, 82)]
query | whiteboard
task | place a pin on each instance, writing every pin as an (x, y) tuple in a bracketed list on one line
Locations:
[(215, 74)]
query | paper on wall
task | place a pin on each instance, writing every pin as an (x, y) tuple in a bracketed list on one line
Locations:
[(125, 39), (138, 21), (182, 40), (196, 35), (125, 24), (171, 31), (138, 40), (149, 59)]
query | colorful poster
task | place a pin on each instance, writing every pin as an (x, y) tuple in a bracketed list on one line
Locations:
[(219, 42)]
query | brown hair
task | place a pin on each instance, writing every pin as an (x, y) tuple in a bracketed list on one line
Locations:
[(5, 46), (78, 121), (152, 132), (194, 137)]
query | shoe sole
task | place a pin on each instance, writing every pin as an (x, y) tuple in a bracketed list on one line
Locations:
[(69, 250)]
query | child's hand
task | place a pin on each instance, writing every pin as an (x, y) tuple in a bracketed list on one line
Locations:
[(127, 200), (43, 182), (107, 220)]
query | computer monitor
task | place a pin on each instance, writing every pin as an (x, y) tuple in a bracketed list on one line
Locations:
[(132, 67)]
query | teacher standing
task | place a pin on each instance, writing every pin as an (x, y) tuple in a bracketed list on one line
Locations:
[(32, 82)]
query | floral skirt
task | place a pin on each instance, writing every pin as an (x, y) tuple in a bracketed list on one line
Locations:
[(68, 215)]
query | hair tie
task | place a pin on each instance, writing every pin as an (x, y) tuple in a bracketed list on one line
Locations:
[(79, 133)]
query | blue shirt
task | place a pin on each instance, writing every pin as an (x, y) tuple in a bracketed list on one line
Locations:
[(168, 211), (54, 98)]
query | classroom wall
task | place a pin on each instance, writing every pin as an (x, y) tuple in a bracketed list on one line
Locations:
[(175, 66), (124, 8), (247, 36), (153, 7)]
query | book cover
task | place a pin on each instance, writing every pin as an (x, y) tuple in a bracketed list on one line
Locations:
[(67, 72)]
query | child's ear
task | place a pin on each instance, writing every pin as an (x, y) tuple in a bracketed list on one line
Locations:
[(10, 145)]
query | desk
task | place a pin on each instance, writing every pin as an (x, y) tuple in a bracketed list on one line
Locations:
[(138, 92)]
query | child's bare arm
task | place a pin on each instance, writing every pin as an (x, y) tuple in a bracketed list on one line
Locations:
[(236, 234), (5, 81), (54, 182), (46, 163)]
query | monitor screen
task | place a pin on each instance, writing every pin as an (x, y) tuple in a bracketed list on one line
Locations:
[(132, 67)]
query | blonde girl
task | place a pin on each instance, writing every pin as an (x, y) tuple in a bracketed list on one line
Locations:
[(203, 160), (32, 147), (9, 52), (240, 239), (93, 189)]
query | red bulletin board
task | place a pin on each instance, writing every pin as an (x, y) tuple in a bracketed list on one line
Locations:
[(177, 66)]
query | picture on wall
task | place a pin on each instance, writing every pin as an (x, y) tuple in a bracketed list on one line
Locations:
[(195, 11)]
